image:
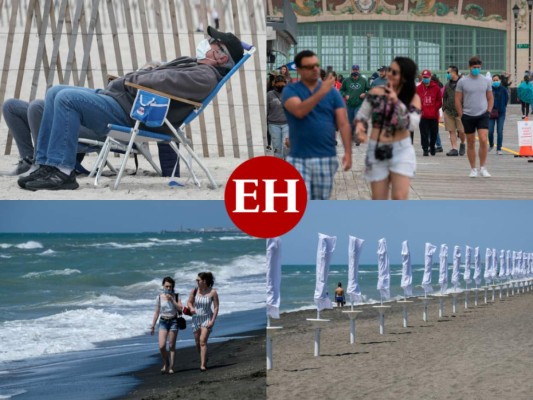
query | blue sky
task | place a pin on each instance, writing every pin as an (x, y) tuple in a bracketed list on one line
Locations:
[(499, 224), (110, 216)]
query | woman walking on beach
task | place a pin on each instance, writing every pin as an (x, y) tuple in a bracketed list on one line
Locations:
[(203, 304), (168, 306), (390, 112)]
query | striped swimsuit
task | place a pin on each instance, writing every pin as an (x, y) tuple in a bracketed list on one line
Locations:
[(203, 311)]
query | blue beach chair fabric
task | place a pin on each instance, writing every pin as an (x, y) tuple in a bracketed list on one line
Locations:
[(150, 108)]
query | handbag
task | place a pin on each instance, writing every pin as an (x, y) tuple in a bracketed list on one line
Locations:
[(494, 114), (182, 324)]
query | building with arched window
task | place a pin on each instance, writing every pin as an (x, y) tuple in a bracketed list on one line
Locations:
[(434, 33)]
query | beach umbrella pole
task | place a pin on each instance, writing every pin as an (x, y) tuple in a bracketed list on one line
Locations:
[(454, 302), (486, 292), (271, 330), (405, 316), (352, 314), (441, 307), (475, 296), (493, 290)]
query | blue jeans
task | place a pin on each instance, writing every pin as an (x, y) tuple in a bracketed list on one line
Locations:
[(66, 109), (499, 130), (279, 133), (352, 112)]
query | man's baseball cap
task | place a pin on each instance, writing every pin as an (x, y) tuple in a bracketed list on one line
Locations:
[(355, 67), (382, 68), (426, 73), (231, 41)]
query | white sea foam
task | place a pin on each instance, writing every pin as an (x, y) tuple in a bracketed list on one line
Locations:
[(9, 394), (53, 334), (48, 252), (5, 245), (243, 237), (152, 242), (29, 245), (4, 256), (42, 274)]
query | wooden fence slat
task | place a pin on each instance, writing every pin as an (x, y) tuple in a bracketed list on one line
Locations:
[(46, 66), (174, 25), (5, 69), (145, 33), (114, 30), (41, 47), (259, 78), (131, 37), (101, 50), (72, 64), (55, 61), (160, 35), (87, 37)]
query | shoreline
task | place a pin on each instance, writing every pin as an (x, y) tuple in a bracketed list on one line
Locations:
[(480, 352), (236, 370)]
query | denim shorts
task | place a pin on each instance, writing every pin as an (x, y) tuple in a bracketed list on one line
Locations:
[(168, 324), (403, 161)]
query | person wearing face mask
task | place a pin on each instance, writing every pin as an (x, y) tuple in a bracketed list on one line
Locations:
[(431, 98), (474, 102), (497, 115), (452, 123), (353, 90), (525, 95), (168, 306), (67, 107), (276, 119)]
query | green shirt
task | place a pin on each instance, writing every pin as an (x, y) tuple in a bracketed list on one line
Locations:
[(354, 88)]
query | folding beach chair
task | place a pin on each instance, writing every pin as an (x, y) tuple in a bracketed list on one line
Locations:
[(150, 108)]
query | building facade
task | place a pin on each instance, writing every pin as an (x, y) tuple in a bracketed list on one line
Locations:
[(434, 33)]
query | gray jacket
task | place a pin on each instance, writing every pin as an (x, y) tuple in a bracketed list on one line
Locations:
[(182, 77)]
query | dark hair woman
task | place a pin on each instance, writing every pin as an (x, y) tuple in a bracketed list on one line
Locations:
[(389, 113), (203, 303), (168, 306)]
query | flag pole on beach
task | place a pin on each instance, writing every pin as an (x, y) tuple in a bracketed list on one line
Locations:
[(326, 247), (443, 277), (407, 281), (466, 275), (455, 276), (477, 273), (426, 279), (493, 268), (273, 280), (486, 274), (501, 272), (383, 282), (353, 290)]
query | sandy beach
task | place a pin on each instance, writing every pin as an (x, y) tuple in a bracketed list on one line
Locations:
[(236, 370), (481, 352)]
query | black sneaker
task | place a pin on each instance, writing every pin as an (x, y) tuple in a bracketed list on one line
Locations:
[(439, 149), (55, 180), (462, 149), (43, 170), (22, 167), (426, 154), (452, 152), (432, 151)]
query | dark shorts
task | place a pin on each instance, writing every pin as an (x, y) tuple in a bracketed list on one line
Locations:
[(472, 123)]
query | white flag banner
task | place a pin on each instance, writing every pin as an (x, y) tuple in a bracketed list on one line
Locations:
[(354, 252), (468, 261), (407, 270), (443, 268), (477, 267), (508, 263), (493, 265), (513, 264), (273, 277), (428, 263), (521, 264), (326, 247), (501, 273), (383, 270), (488, 259), (456, 264)]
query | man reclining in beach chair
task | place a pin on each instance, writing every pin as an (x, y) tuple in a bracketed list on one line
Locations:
[(67, 107)]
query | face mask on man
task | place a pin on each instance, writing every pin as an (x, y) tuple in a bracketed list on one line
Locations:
[(202, 49), (448, 76), (496, 84), (476, 71), (426, 81), (279, 88), (355, 75)]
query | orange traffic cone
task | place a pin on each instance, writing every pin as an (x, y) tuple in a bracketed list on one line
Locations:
[(525, 151)]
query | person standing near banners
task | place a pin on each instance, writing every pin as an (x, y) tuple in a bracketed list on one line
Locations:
[(474, 101)]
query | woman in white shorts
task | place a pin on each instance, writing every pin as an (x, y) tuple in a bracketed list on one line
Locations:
[(391, 111)]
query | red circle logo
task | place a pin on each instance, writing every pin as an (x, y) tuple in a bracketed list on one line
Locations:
[(265, 197)]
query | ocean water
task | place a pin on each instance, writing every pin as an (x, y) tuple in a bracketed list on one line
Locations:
[(83, 300), (298, 283)]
